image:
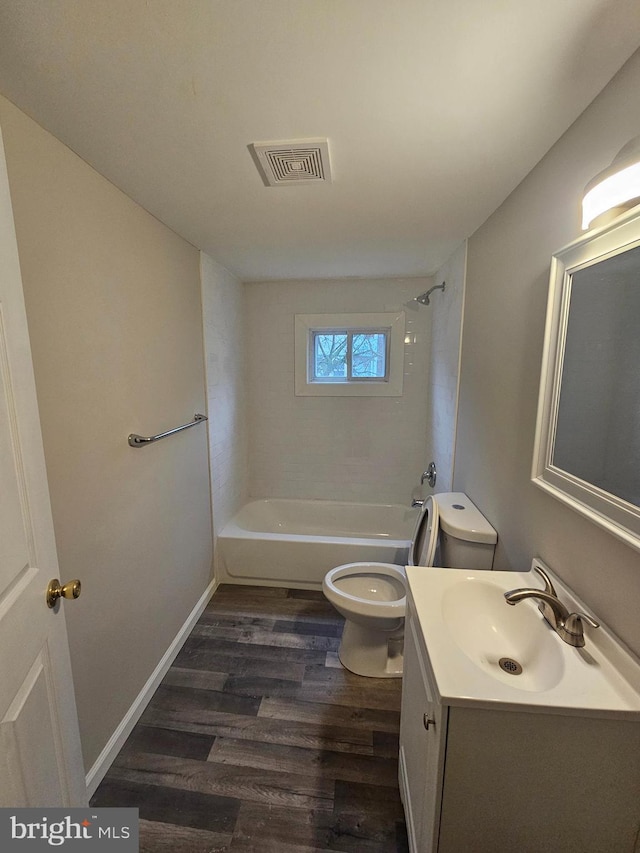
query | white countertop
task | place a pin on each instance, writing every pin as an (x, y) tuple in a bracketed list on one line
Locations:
[(467, 626)]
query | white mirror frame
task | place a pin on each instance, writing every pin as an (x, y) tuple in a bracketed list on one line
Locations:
[(616, 515)]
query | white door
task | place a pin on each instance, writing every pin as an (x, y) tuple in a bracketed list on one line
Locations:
[(40, 756)]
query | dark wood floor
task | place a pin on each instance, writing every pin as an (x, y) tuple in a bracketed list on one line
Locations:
[(258, 740)]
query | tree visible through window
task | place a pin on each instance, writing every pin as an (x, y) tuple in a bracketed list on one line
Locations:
[(349, 355)]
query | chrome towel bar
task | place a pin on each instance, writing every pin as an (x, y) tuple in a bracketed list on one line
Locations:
[(142, 441)]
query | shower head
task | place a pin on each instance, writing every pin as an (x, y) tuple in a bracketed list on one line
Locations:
[(423, 299)]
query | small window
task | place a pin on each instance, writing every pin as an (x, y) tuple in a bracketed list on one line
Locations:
[(349, 354)]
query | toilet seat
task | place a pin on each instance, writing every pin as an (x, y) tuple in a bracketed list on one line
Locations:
[(354, 599), (359, 604), (425, 535)]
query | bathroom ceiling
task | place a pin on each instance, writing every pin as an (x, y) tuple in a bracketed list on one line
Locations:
[(434, 111)]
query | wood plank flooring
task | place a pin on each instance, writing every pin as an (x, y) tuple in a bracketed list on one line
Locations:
[(259, 740)]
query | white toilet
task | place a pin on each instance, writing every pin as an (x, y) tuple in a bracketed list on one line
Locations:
[(450, 531)]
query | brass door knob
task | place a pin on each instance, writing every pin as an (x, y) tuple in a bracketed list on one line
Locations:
[(55, 591)]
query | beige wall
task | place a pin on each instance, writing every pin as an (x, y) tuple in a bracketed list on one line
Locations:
[(113, 304), (507, 278)]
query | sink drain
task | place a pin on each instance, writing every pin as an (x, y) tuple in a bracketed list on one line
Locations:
[(510, 665)]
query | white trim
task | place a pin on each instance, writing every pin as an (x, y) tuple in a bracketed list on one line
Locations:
[(392, 387), (115, 743)]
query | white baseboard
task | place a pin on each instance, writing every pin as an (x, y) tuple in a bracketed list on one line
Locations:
[(117, 739)]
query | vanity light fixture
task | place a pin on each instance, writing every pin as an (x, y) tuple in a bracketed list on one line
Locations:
[(616, 188)]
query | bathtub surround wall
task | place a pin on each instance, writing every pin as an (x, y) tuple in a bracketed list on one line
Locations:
[(225, 347), (444, 366), (113, 305), (368, 449), (505, 306)]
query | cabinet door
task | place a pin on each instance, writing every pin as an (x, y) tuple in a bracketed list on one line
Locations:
[(422, 735)]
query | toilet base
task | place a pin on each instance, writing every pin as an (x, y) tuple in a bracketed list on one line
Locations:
[(372, 653)]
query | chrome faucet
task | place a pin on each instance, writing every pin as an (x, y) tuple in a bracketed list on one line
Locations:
[(567, 625), (429, 475)]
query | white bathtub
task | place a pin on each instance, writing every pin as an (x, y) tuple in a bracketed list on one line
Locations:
[(280, 542)]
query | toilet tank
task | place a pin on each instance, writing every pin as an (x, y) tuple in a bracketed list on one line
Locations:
[(467, 540)]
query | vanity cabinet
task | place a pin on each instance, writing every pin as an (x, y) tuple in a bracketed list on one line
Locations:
[(500, 780), (422, 745)]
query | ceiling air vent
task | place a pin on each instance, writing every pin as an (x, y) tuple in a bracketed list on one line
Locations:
[(302, 161)]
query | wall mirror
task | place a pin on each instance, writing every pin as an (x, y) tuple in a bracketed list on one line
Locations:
[(587, 448)]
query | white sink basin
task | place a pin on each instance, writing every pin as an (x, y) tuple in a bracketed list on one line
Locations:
[(469, 629), (489, 632)]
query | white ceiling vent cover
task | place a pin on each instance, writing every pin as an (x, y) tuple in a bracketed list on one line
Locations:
[(302, 161)]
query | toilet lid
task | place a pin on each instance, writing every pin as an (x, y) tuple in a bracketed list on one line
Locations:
[(425, 540)]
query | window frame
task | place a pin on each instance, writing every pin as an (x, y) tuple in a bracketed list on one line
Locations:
[(390, 323)]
